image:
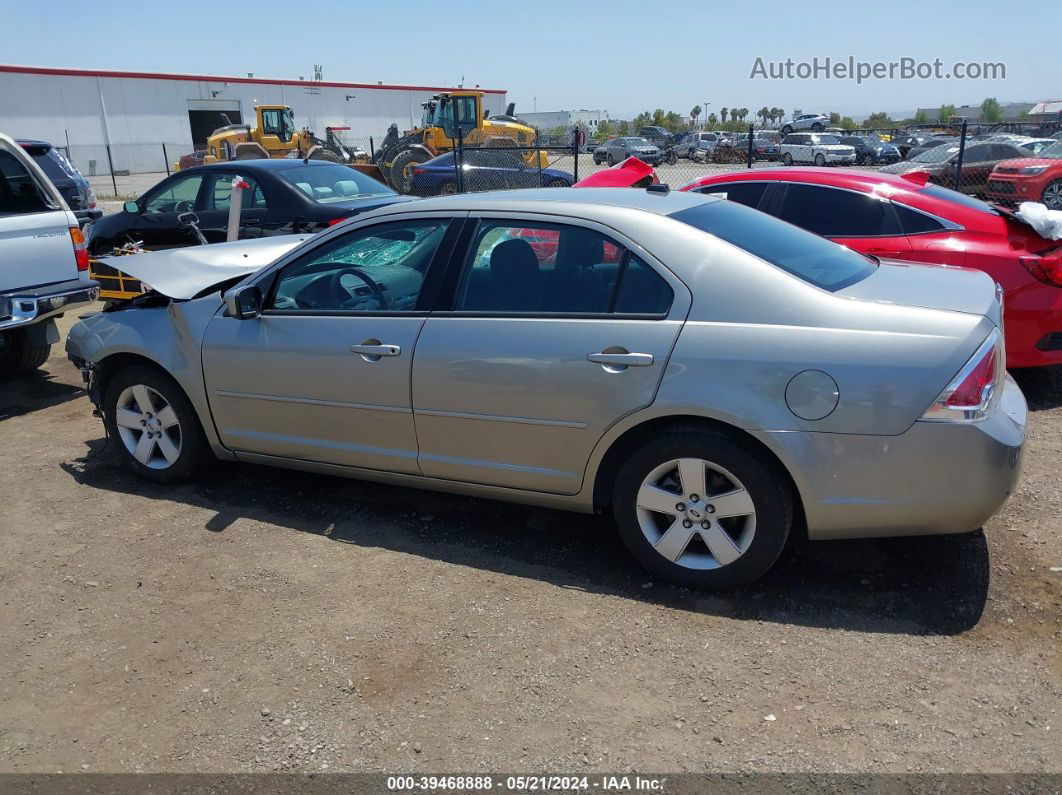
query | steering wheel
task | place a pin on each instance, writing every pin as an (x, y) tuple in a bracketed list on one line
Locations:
[(184, 206), (340, 294)]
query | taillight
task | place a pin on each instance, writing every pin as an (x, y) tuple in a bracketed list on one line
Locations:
[(90, 198), (420, 171), (339, 220), (1046, 268), (81, 255), (972, 394)]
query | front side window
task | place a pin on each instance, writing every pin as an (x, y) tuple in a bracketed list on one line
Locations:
[(554, 268), (807, 256), (378, 268), (220, 196), (837, 213), (177, 197)]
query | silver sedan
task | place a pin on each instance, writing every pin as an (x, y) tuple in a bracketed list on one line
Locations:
[(715, 378)]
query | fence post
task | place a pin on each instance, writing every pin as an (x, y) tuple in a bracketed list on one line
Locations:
[(110, 165), (458, 156), (538, 158), (749, 164), (372, 150), (575, 155), (958, 162), (165, 160)]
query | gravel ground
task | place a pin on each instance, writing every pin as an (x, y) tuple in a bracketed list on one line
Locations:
[(267, 620)]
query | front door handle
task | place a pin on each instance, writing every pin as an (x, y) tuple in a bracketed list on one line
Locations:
[(372, 351), (621, 359)]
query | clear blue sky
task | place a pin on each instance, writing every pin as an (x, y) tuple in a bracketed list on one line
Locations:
[(618, 55)]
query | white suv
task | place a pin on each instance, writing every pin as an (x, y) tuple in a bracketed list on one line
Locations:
[(43, 261), (808, 121), (817, 148)]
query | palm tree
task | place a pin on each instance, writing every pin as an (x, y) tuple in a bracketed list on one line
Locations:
[(695, 113), (723, 113), (764, 113)]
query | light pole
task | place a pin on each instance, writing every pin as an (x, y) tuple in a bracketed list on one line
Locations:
[(704, 115)]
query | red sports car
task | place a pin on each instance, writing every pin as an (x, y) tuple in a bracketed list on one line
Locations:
[(897, 217)]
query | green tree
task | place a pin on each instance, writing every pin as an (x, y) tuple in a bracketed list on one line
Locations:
[(765, 113), (643, 119), (659, 117), (835, 119), (712, 120), (880, 119), (945, 113), (604, 129), (847, 123), (777, 114), (695, 113), (623, 128), (990, 110), (723, 113), (921, 117)]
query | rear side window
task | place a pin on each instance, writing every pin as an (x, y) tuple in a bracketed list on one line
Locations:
[(914, 223), (937, 192), (51, 165), (18, 192), (814, 259), (837, 213), (747, 193)]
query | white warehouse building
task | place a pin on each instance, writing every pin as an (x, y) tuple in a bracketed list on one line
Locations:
[(137, 113)]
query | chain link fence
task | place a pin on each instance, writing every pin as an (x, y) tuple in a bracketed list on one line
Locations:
[(1004, 163)]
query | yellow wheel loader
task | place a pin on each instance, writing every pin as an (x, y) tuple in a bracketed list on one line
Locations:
[(443, 117), (275, 135)]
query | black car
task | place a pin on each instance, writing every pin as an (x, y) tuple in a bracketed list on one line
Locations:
[(74, 188), (871, 150), (656, 135), (285, 196), (925, 144)]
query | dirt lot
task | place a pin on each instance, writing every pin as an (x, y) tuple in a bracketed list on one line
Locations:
[(269, 620)]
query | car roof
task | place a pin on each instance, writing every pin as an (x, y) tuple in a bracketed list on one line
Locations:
[(547, 199), (32, 142)]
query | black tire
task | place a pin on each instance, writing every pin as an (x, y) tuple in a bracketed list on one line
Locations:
[(787, 159), (787, 129), (194, 449), (671, 158), (761, 476), (402, 161), (817, 126), (820, 160), (19, 353), (611, 160), (597, 161), (557, 183), (448, 188)]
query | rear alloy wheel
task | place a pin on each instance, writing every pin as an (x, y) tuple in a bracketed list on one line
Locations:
[(1052, 195), (787, 129), (448, 188), (557, 183), (787, 159), (611, 160), (817, 126), (820, 159), (702, 509), (154, 425)]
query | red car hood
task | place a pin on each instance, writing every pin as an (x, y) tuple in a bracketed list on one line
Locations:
[(622, 175)]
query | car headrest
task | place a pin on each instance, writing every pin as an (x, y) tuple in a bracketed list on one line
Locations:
[(513, 260), (346, 187), (582, 249)]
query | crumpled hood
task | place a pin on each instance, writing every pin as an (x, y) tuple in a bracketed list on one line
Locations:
[(181, 273)]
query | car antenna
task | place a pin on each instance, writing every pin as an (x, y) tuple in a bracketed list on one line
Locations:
[(661, 188)]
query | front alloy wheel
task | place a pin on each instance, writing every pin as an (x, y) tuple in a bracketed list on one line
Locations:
[(148, 427), (1052, 197)]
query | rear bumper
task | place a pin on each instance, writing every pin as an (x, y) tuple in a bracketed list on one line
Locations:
[(25, 307), (936, 478)]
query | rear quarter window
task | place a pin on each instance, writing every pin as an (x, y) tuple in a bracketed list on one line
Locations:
[(814, 259), (18, 192)]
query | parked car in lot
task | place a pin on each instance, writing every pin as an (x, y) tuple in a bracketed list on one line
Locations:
[(933, 143), (697, 145), (818, 148), (612, 152), (1030, 179), (43, 262), (286, 196), (729, 374), (924, 224), (483, 169), (906, 142), (658, 136), (74, 188), (808, 121), (939, 164), (870, 150)]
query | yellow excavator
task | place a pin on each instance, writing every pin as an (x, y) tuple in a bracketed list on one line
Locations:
[(445, 118)]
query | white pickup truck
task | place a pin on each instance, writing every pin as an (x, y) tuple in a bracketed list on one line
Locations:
[(44, 265)]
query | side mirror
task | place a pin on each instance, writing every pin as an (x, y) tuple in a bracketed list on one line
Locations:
[(131, 207), (244, 303)]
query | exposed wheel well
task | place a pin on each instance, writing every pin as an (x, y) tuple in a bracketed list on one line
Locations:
[(633, 437), (106, 369)]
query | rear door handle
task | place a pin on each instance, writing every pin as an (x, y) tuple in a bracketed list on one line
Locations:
[(372, 352), (621, 359)]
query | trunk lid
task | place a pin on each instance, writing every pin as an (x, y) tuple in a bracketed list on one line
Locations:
[(931, 286)]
